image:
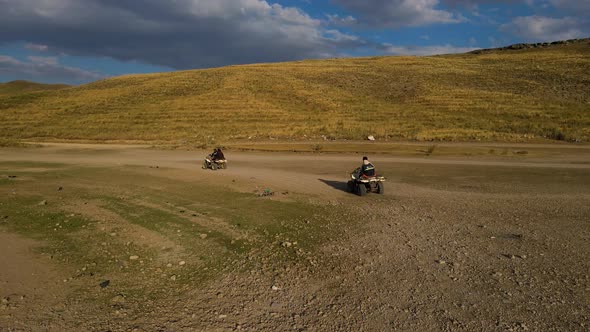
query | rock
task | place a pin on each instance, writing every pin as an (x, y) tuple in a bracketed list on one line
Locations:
[(287, 244), (104, 284), (60, 188), (134, 257), (182, 263), (43, 202), (118, 299), (5, 300), (371, 138), (203, 236), (222, 316), (169, 265), (274, 288), (441, 262), (173, 278)]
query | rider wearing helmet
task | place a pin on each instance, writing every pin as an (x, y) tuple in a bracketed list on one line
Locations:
[(217, 155), (367, 169)]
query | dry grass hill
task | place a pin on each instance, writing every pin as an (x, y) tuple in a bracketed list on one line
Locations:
[(514, 94)]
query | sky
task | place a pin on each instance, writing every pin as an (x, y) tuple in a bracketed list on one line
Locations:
[(80, 41)]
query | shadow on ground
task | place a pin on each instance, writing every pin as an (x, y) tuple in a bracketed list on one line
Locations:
[(339, 185)]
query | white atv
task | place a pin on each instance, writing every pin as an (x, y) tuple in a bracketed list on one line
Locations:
[(363, 185), (214, 165)]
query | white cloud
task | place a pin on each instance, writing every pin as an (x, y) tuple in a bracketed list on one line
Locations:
[(541, 28), (426, 50), (44, 60), (341, 21), (180, 34), (36, 47), (44, 69), (581, 7), (398, 13)]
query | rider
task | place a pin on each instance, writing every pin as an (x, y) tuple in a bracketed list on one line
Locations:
[(367, 169), (217, 155)]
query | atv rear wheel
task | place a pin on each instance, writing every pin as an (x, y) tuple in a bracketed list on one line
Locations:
[(380, 188), (350, 186)]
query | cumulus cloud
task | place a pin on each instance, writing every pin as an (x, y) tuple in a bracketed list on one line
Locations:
[(179, 34), (581, 7), (44, 69), (425, 50), (541, 28), (398, 13), (36, 47)]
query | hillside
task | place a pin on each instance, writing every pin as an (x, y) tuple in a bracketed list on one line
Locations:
[(18, 87), (504, 95)]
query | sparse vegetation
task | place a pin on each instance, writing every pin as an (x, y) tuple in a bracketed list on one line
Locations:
[(515, 95)]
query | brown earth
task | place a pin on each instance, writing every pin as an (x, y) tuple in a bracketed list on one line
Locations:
[(456, 243)]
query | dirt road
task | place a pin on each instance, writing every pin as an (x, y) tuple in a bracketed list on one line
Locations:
[(456, 243)]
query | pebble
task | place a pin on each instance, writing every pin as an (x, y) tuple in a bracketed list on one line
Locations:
[(275, 288), (173, 278), (182, 263), (134, 257), (203, 236), (118, 299), (441, 262), (169, 265), (43, 202)]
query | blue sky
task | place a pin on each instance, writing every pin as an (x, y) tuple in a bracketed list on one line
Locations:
[(79, 41)]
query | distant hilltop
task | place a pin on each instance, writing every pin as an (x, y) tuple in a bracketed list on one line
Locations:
[(21, 86), (533, 45)]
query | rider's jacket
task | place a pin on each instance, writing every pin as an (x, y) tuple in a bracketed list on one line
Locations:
[(368, 170), (218, 155)]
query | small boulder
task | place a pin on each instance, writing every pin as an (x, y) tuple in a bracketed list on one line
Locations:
[(118, 299)]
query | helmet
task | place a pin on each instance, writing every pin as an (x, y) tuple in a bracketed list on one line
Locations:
[(365, 158)]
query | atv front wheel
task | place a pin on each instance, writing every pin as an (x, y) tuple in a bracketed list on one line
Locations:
[(361, 190)]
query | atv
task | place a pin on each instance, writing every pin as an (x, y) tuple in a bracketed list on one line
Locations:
[(362, 185), (214, 165)]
